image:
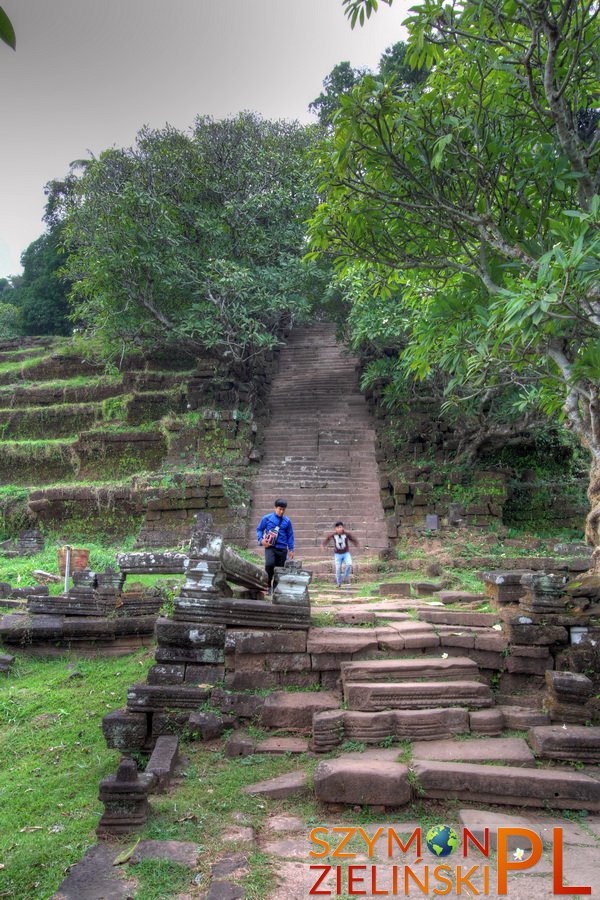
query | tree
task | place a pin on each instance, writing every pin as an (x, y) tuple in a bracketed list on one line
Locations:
[(474, 202), (340, 81), (41, 293), (343, 78), (195, 239)]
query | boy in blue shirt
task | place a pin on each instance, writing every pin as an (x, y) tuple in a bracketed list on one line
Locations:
[(276, 534)]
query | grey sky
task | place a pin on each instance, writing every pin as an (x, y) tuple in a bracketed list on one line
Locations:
[(88, 74)]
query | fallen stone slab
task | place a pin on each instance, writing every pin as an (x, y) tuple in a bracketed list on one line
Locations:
[(293, 711), (163, 761), (427, 668), (240, 613), (95, 877), (285, 824), (372, 696), (225, 890), (228, 865), (6, 661), (239, 744), (507, 785), (395, 589), (449, 597), (575, 742), (208, 725), (364, 782), (153, 563), (146, 697), (183, 852), (278, 745), (281, 787), (510, 751), (124, 730)]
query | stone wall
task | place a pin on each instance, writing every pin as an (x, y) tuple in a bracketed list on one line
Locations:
[(420, 477)]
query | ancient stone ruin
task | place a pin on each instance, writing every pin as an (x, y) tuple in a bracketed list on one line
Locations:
[(99, 614), (221, 606)]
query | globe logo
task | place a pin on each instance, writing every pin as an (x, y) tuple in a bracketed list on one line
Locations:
[(441, 840)]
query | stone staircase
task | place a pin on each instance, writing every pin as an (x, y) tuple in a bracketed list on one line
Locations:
[(319, 448)]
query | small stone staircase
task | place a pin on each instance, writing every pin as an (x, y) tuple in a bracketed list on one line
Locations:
[(319, 449)]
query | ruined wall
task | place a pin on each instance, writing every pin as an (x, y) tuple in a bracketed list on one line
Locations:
[(420, 478)]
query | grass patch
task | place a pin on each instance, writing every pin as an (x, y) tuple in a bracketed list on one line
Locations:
[(160, 879), (54, 756), (18, 570), (20, 366)]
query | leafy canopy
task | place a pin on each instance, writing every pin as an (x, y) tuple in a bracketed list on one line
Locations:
[(473, 201), (193, 238)]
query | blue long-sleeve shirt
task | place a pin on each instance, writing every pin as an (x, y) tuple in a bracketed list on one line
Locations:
[(285, 538)]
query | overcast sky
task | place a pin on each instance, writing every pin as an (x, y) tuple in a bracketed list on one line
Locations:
[(88, 74)]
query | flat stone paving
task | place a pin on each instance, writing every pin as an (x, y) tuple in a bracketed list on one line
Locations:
[(295, 878)]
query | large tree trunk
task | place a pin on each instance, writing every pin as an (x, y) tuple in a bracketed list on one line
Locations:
[(592, 523)]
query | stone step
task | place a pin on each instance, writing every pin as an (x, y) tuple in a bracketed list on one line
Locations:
[(319, 450), (377, 696), (458, 619), (397, 670), (293, 711), (331, 728), (577, 743), (507, 785), (506, 751)]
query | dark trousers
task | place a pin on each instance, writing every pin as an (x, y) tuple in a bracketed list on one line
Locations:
[(274, 556)]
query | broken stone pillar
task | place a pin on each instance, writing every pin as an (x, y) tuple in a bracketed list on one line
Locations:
[(125, 798), (209, 546), (567, 697), (544, 593), (30, 542), (504, 585), (291, 587)]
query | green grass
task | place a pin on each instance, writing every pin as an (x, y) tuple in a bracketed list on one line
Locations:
[(18, 570), (24, 364), (53, 758), (160, 879)]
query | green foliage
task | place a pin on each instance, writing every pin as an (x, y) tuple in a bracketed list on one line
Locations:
[(14, 514), (471, 207), (10, 321), (115, 408), (41, 293), (340, 80), (193, 239), (7, 32), (393, 67), (361, 10)]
